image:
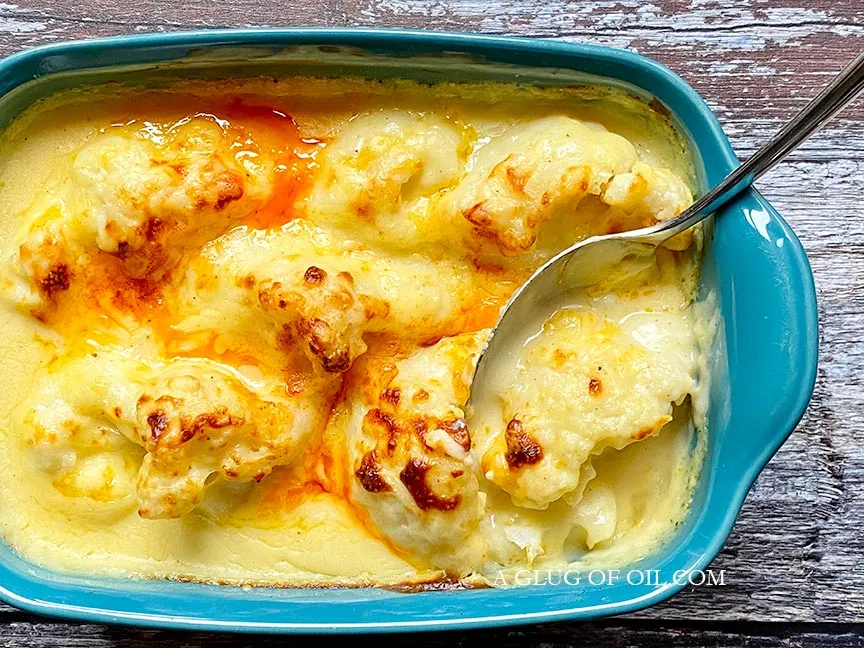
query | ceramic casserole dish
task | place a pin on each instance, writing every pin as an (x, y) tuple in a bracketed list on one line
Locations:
[(763, 363)]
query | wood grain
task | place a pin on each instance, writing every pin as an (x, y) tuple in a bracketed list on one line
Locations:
[(797, 552), (614, 634)]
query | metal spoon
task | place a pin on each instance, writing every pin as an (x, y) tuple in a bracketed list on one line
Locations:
[(586, 262)]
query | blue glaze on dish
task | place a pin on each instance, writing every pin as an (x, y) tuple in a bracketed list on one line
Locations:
[(763, 368)]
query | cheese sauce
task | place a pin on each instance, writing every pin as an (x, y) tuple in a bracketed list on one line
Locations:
[(241, 320)]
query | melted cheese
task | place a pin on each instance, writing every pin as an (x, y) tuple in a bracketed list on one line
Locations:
[(247, 315), (587, 381)]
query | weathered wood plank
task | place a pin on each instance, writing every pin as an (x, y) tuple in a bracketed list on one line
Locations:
[(616, 634), (796, 553)]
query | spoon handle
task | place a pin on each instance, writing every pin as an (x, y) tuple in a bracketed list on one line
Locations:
[(843, 89)]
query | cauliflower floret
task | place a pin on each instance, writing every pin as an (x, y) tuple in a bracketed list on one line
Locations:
[(543, 169), (327, 293), (380, 171), (326, 312), (143, 200), (409, 453), (196, 420), (585, 383), (75, 424)]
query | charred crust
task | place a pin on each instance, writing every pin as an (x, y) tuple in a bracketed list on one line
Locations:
[(385, 421), (522, 448), (158, 423), (316, 331), (391, 395), (57, 280), (369, 474), (314, 275), (211, 420), (595, 387), (413, 476), (458, 431), (420, 426), (152, 229)]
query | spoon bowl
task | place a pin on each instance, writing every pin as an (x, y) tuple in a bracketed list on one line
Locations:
[(588, 262)]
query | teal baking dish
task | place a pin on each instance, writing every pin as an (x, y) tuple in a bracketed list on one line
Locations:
[(763, 366)]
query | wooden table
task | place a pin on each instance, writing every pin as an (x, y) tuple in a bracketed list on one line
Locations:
[(795, 563)]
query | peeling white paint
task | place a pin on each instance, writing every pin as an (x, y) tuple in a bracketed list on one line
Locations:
[(708, 26), (761, 70), (14, 26), (721, 67)]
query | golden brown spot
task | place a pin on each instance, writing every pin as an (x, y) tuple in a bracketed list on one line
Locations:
[(413, 476), (643, 432), (247, 282), (132, 295), (57, 280), (72, 427), (230, 188), (522, 449), (595, 387), (615, 227), (152, 228), (559, 357), (364, 210), (517, 179), (118, 412), (431, 341), (478, 215), (285, 338), (314, 275), (295, 382), (369, 474), (421, 395), (391, 395), (457, 473)]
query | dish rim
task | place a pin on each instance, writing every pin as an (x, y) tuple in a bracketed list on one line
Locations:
[(28, 65)]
